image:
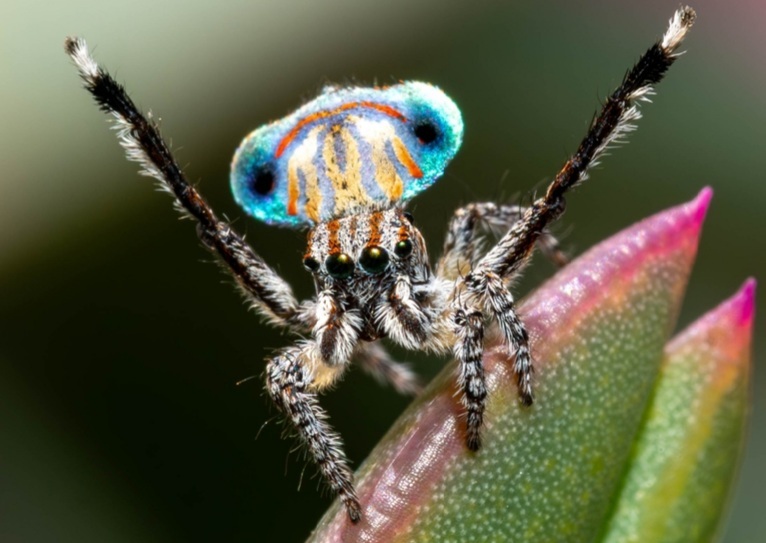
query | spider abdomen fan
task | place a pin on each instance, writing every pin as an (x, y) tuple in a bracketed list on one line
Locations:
[(348, 150)]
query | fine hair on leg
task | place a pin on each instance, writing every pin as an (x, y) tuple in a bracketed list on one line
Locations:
[(288, 383), (484, 285), (141, 139)]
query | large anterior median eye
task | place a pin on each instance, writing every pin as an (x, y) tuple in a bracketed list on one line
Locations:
[(374, 260), (339, 266)]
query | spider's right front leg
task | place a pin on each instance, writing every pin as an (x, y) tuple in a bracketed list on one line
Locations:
[(292, 380)]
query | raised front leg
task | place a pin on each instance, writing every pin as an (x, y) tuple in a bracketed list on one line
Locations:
[(485, 282), (140, 137), (608, 128)]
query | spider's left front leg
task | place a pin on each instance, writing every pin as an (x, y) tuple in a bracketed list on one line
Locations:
[(487, 279), (469, 351), (482, 289)]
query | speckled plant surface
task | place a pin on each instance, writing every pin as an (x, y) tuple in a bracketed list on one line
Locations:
[(631, 438), (687, 451)]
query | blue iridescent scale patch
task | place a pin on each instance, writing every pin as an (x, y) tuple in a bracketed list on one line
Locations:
[(347, 150)]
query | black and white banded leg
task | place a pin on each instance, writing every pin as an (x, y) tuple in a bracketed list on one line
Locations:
[(615, 120), (463, 242), (468, 351), (499, 303), (608, 128), (140, 137), (289, 383)]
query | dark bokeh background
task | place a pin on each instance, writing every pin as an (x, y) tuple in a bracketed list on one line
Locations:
[(120, 345)]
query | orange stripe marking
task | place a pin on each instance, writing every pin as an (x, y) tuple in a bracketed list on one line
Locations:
[(333, 242), (404, 229), (375, 220), (404, 156), (388, 110)]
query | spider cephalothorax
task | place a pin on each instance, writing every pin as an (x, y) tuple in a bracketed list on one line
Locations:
[(369, 260), (373, 281), (343, 166)]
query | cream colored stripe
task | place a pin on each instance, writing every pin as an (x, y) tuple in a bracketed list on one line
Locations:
[(302, 159), (378, 134), (349, 191)]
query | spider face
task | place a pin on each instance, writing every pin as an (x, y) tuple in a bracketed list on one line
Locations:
[(363, 245), (364, 253), (344, 165)]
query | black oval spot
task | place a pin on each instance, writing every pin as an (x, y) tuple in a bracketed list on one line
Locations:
[(403, 248), (409, 217), (426, 132), (263, 181), (339, 266), (374, 260), (311, 264)]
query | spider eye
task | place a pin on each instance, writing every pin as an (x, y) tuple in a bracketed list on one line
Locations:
[(374, 260), (426, 132), (311, 264), (409, 217), (403, 249), (339, 266), (263, 181)]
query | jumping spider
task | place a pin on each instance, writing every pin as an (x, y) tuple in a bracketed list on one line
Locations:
[(343, 166)]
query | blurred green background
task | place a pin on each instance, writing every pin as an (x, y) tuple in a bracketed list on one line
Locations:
[(120, 344)]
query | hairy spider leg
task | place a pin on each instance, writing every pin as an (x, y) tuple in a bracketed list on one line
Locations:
[(288, 382), (140, 137), (484, 285), (463, 243)]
